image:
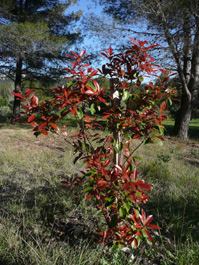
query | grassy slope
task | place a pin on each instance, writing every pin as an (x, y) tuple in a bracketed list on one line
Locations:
[(42, 224)]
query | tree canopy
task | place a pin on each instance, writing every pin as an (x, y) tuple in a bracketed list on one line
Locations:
[(34, 36), (175, 25)]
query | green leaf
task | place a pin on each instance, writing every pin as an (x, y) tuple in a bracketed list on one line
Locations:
[(122, 212), (109, 202), (138, 240), (92, 108), (69, 84), (146, 237), (88, 188), (133, 245), (159, 141), (127, 206), (80, 113), (114, 247), (91, 86), (120, 146), (116, 149), (161, 129), (140, 78), (137, 212), (125, 95), (121, 245)]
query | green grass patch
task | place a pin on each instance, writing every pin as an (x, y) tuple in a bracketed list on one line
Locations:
[(193, 128)]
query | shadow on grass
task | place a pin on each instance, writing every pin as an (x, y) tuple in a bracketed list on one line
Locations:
[(17, 125), (193, 131), (4, 261), (178, 217), (46, 205)]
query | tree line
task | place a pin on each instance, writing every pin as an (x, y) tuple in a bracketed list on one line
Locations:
[(35, 35)]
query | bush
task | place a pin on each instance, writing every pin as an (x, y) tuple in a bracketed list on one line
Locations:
[(110, 177)]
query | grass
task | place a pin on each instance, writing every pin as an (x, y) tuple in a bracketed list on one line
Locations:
[(193, 128), (41, 223)]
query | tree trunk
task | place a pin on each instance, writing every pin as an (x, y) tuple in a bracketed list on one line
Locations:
[(16, 106), (117, 136), (183, 118)]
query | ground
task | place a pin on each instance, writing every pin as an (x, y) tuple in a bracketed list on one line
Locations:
[(41, 223)]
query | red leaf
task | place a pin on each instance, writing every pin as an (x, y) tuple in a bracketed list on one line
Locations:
[(17, 95), (102, 182), (166, 79), (104, 55), (73, 110), (145, 186), (34, 101), (88, 197), (87, 119), (107, 162), (34, 124), (42, 126), (31, 118), (110, 51), (163, 106), (43, 118), (153, 226), (159, 137), (105, 117), (135, 242), (28, 92), (149, 235), (134, 41), (75, 54), (82, 53), (148, 220), (74, 64), (96, 85), (136, 136), (135, 173), (93, 73), (68, 55), (102, 100), (88, 125), (54, 126), (64, 132), (44, 132), (86, 65)]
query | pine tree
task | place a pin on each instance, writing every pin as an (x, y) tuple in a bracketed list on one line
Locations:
[(33, 37)]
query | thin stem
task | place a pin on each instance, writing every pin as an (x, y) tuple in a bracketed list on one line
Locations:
[(63, 137), (134, 151)]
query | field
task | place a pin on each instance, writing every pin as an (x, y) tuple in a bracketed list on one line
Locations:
[(41, 223)]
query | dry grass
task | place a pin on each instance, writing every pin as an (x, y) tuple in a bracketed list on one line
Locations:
[(38, 218)]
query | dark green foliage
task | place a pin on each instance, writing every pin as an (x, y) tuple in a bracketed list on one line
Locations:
[(34, 37)]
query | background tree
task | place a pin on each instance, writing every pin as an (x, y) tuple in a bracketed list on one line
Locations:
[(33, 37), (174, 24)]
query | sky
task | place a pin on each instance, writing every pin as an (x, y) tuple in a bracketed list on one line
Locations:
[(88, 7)]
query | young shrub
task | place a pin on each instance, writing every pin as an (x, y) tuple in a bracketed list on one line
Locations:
[(130, 112)]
